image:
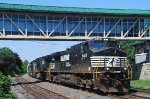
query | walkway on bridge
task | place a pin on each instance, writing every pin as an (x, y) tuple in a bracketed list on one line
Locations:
[(71, 23)]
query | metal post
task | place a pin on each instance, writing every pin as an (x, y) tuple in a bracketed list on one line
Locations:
[(104, 28), (121, 27), (3, 24), (26, 31), (139, 34), (67, 26), (47, 26), (86, 27)]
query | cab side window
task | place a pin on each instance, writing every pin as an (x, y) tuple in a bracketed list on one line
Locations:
[(139, 50), (84, 48)]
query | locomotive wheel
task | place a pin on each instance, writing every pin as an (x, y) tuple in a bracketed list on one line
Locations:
[(79, 82), (88, 84), (52, 79)]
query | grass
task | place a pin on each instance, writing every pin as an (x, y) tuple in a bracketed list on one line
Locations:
[(140, 84)]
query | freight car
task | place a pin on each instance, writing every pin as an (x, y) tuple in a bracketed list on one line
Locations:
[(98, 64)]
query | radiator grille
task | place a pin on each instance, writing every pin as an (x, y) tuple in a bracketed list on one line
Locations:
[(108, 61)]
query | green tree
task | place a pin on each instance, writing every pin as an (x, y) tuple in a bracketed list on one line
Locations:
[(24, 66), (18, 64), (14, 62), (10, 64), (126, 46), (6, 52)]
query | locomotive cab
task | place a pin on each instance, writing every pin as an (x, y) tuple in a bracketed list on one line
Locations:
[(105, 53)]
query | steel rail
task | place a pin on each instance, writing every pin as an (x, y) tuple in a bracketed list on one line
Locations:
[(135, 94), (38, 91)]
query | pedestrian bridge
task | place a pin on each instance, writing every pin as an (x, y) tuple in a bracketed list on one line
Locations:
[(34, 22)]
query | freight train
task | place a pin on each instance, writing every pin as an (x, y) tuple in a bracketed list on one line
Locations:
[(96, 64)]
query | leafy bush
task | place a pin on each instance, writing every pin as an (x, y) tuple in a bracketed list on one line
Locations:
[(5, 83)]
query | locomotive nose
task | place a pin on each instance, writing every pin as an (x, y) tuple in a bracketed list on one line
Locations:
[(109, 60)]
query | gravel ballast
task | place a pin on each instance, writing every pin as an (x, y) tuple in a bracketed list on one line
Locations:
[(66, 91), (18, 91)]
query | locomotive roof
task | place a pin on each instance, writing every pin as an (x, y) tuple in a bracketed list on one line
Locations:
[(47, 56), (96, 39), (59, 53), (51, 55)]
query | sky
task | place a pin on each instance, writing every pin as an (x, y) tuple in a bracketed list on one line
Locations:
[(29, 50)]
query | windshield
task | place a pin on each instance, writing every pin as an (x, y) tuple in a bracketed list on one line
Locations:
[(114, 44), (98, 45)]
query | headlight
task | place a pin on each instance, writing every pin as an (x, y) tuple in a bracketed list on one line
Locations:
[(107, 68), (125, 68)]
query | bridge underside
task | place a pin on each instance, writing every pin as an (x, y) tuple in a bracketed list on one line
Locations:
[(36, 26)]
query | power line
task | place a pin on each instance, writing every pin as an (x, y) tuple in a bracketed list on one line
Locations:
[(43, 43)]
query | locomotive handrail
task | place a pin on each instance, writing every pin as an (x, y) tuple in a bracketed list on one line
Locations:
[(120, 64)]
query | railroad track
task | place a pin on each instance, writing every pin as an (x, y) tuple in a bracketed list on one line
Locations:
[(42, 93), (142, 93), (37, 91), (130, 97), (135, 94)]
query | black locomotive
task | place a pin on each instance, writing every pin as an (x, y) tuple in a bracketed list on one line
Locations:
[(98, 64)]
